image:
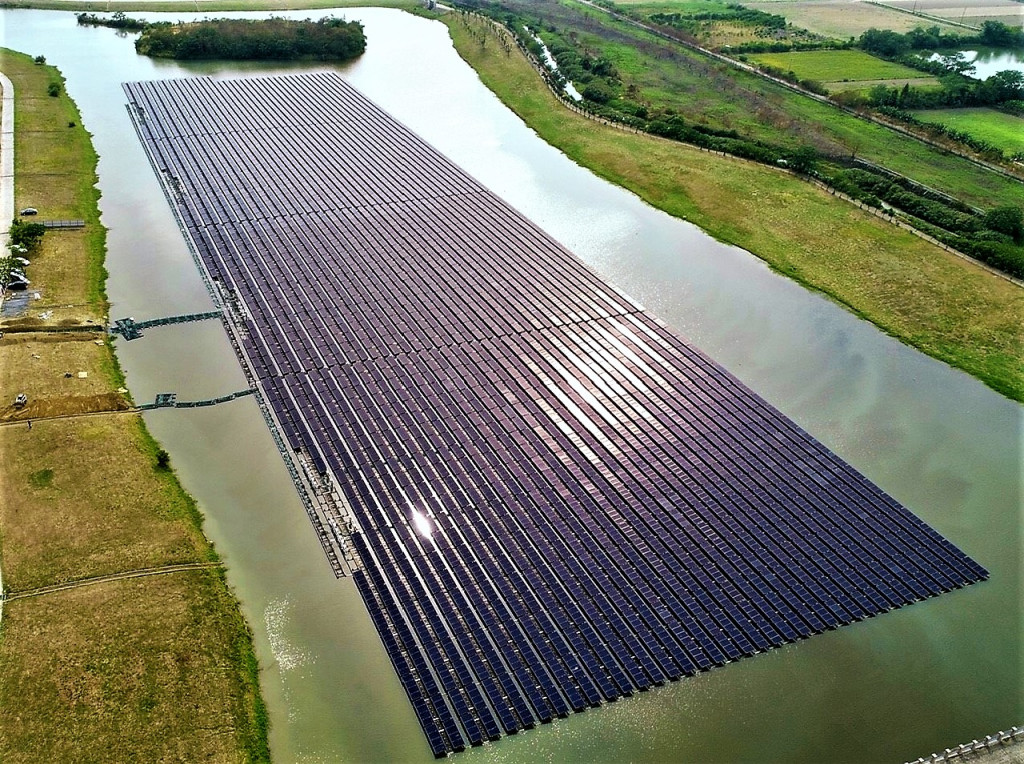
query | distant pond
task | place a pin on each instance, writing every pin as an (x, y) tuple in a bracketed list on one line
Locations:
[(988, 61)]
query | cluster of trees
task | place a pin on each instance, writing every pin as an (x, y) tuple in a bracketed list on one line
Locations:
[(732, 12), (118, 21), (956, 91), (779, 46), (329, 39), (26, 234), (597, 79), (24, 238), (995, 237), (889, 44), (727, 141)]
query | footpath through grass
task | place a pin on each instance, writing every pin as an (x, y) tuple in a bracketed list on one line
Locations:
[(947, 307), (150, 669)]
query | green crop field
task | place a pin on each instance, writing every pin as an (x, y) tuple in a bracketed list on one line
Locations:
[(835, 65), (1002, 130)]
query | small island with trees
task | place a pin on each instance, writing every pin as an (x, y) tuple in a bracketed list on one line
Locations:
[(275, 39)]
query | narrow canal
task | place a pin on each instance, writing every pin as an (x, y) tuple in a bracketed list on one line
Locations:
[(890, 689)]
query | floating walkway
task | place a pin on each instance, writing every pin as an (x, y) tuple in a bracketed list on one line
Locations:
[(550, 499), (170, 400), (130, 329)]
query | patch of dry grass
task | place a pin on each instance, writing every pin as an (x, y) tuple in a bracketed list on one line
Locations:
[(56, 173), (842, 20), (106, 508), (141, 670)]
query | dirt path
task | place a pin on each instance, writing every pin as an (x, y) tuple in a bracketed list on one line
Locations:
[(141, 573)]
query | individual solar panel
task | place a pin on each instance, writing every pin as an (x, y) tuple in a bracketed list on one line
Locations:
[(557, 501)]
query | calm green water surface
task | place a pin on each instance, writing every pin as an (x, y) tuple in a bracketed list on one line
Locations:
[(896, 687)]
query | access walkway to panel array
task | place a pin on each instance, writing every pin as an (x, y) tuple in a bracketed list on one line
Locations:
[(555, 500)]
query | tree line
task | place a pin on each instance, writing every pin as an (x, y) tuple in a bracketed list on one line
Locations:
[(329, 39)]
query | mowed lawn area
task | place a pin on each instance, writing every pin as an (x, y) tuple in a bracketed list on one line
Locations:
[(1002, 130), (835, 65)]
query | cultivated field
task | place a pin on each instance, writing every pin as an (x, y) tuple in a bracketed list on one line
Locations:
[(842, 19), (1008, 12), (835, 65), (1003, 130)]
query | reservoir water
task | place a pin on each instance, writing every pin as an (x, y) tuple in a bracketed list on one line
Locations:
[(890, 689)]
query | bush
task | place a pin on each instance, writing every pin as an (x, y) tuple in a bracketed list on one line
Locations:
[(1007, 220), (598, 92), (163, 460), (53, 89), (25, 234)]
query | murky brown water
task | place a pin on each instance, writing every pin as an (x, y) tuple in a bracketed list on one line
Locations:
[(894, 688)]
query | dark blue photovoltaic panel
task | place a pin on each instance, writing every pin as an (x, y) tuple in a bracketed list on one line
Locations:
[(557, 501)]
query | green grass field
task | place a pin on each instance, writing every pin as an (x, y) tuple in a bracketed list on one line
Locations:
[(1003, 130), (835, 65)]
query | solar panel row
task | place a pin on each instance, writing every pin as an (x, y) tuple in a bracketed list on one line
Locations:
[(558, 502)]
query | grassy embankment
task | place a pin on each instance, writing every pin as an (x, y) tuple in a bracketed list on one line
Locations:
[(134, 669), (947, 307), (668, 76), (1003, 130)]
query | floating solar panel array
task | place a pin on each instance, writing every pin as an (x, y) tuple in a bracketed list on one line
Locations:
[(557, 502)]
